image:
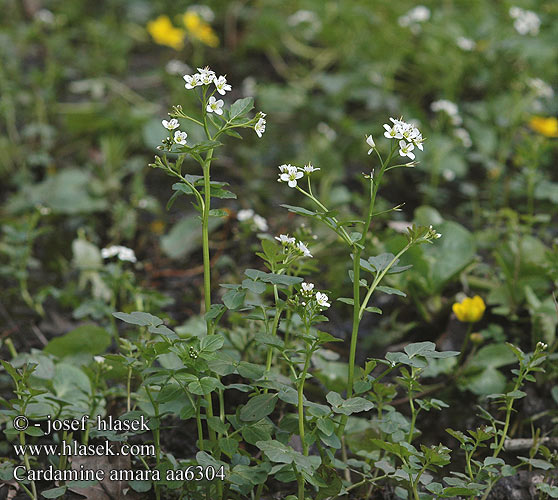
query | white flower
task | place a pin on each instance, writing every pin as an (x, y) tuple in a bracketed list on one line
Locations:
[(526, 22), (290, 175), (192, 81), (465, 43), (285, 239), (99, 359), (444, 105), (303, 16), (433, 232), (371, 143), (542, 346), (260, 127), (307, 288), (541, 88), (245, 214), (322, 299), (285, 167), (171, 124), (392, 132), (406, 148), (45, 16), (304, 249), (176, 67), (404, 130), (464, 136), (203, 11), (418, 14), (180, 137), (327, 131), (215, 106), (260, 222), (221, 85), (308, 169), (123, 253), (206, 75), (448, 107)]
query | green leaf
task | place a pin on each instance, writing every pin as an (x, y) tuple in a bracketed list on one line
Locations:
[(276, 451), (274, 279), (250, 370), (419, 348), (139, 318), (204, 386), (185, 236), (234, 299), (494, 356), (54, 492), (455, 491), (84, 339), (268, 339), (258, 407), (451, 253), (488, 381), (346, 300), (240, 107), (260, 431), (380, 262), (299, 210), (254, 286), (537, 463), (212, 343), (391, 291), (348, 406), (233, 133), (217, 212)]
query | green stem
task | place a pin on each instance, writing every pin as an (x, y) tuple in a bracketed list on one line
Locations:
[(379, 278), (128, 389), (205, 237), (28, 466), (156, 438), (199, 425), (465, 344), (301, 421), (356, 322), (10, 345), (413, 418)]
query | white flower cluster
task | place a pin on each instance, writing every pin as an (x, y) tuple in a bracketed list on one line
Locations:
[(409, 136), (177, 67), (434, 234), (290, 174), (205, 76), (465, 44), (526, 22), (414, 17), (289, 241), (307, 292), (448, 107), (541, 88), (463, 135), (179, 137), (260, 124), (247, 214), (203, 11), (123, 253)]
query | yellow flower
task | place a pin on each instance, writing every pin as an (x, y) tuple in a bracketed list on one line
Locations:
[(199, 29), (545, 126), (164, 33), (470, 310)]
